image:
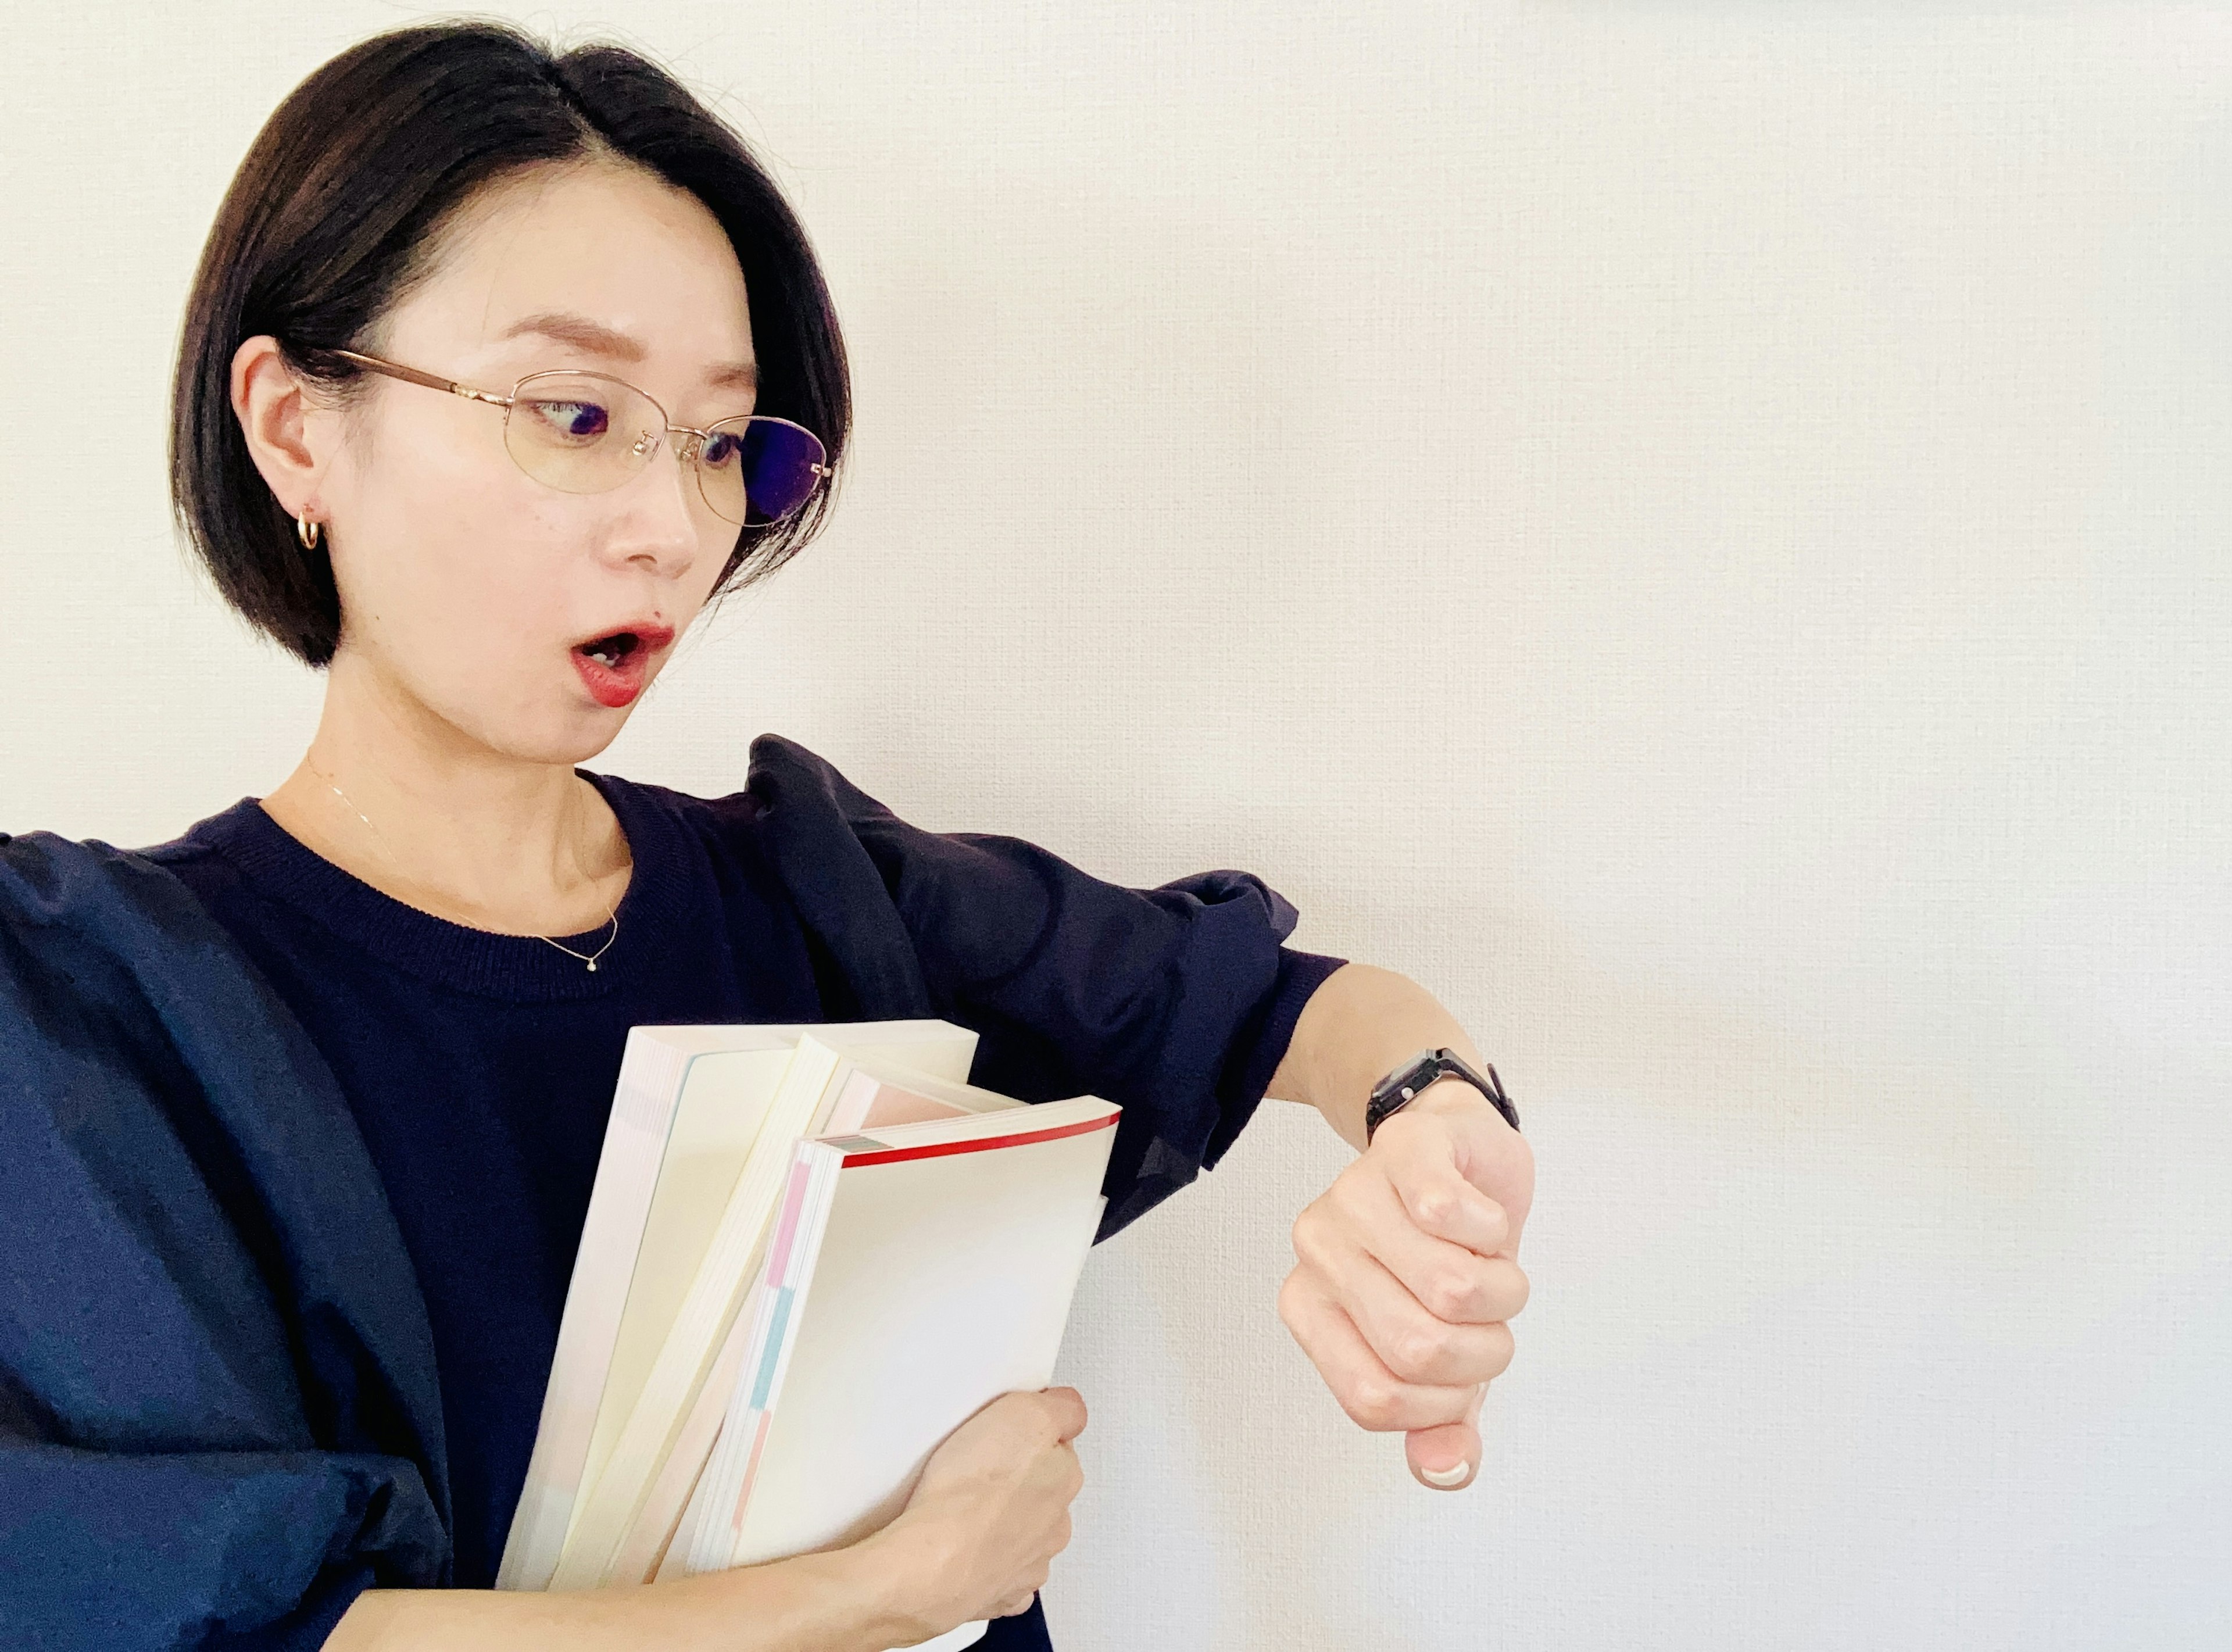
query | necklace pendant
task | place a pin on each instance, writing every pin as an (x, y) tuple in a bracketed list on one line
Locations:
[(593, 966)]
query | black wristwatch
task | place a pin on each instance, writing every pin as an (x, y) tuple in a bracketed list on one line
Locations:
[(1395, 1092)]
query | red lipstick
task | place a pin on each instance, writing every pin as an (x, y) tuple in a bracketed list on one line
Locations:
[(613, 665)]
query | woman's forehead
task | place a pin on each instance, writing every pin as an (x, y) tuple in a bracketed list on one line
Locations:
[(599, 259)]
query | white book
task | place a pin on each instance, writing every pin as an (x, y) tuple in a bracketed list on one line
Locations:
[(871, 1089), (608, 1506), (685, 1110), (724, 1102), (914, 1276)]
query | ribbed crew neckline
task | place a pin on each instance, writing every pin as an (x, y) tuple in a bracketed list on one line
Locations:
[(517, 968)]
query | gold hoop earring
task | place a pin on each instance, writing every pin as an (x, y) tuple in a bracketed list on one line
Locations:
[(306, 530)]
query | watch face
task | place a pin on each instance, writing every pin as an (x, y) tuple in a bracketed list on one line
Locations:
[(1421, 1073), (1391, 1093), (1415, 1076)]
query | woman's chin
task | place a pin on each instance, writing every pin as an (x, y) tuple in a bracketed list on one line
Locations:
[(584, 735), (557, 718), (570, 733)]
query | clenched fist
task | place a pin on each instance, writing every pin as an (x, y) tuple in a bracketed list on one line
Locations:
[(1407, 1272)]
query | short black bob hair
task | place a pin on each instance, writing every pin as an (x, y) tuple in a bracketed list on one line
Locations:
[(333, 216)]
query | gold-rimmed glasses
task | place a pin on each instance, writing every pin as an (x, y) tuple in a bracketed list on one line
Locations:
[(588, 432)]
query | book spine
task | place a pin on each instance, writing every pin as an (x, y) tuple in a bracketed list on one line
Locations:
[(635, 1138), (792, 1247), (716, 1294), (673, 1497)]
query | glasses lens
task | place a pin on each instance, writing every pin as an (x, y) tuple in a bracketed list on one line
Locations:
[(758, 470), (581, 432)]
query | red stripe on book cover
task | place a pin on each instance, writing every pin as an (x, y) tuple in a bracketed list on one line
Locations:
[(939, 1150)]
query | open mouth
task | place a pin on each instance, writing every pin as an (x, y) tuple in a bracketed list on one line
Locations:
[(615, 666), (609, 651)]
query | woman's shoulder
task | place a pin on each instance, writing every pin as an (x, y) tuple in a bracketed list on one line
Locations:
[(93, 888), (210, 835), (792, 826), (238, 853), (95, 924), (781, 772), (794, 803)]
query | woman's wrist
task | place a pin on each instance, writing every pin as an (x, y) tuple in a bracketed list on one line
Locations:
[(1360, 1023), (901, 1577), (882, 1590), (846, 1600)]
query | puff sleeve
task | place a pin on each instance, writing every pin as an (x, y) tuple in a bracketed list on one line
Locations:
[(218, 1413), (1176, 1002)]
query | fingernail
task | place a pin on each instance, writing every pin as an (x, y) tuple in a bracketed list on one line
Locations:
[(1456, 1474)]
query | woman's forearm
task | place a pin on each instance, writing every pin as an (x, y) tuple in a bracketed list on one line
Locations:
[(857, 1599), (1360, 1022)]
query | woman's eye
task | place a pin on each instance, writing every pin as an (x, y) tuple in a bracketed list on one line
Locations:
[(578, 419)]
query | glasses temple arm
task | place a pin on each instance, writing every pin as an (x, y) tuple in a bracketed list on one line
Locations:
[(413, 376)]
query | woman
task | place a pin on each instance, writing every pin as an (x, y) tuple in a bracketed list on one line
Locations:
[(499, 367)]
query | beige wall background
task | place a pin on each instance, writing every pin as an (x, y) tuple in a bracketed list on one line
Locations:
[(1697, 532)]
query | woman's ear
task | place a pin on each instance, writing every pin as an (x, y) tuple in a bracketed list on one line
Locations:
[(287, 436)]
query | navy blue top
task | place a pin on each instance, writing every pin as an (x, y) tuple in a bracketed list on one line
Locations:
[(480, 1067)]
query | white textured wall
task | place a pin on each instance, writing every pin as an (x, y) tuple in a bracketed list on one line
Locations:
[(1699, 533)]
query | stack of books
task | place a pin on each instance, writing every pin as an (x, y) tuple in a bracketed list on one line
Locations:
[(811, 1253)]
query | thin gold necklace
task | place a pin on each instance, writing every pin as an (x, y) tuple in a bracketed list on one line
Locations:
[(612, 911)]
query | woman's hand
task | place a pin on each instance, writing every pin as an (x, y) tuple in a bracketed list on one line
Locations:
[(991, 1510), (1407, 1270)]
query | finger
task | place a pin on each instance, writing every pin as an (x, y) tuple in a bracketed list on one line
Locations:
[(1066, 1407), (1487, 1153), (1363, 1215), (1421, 1163), (1500, 1162), (1509, 1176), (1374, 1397), (1416, 1344), (1071, 1468), (1447, 1458)]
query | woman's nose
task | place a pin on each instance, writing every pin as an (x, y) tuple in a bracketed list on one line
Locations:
[(660, 527)]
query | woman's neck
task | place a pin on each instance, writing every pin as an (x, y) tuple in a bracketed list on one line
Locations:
[(407, 802)]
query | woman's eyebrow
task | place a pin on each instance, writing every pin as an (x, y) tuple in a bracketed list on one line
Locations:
[(734, 375), (580, 331)]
